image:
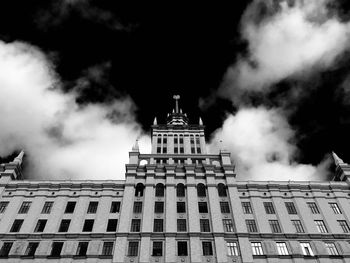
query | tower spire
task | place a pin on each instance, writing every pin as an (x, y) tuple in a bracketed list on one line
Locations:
[(176, 98)]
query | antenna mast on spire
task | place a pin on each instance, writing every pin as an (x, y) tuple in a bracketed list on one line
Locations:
[(176, 98)]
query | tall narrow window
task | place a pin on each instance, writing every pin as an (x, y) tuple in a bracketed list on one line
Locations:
[(344, 225), (290, 208), (201, 190), (139, 190), (222, 190), (24, 207), (135, 225), (16, 226), (157, 250), (107, 249), (88, 225), (159, 190), (31, 249), (275, 226), (228, 225), (158, 225), (112, 225), (133, 248), (321, 227), (40, 225), (82, 249), (232, 249), (3, 206), (335, 208), (182, 248), (181, 225), (158, 207), (64, 226), (251, 226), (269, 209), (282, 248), (207, 248), (306, 248), (181, 207), (247, 208), (224, 207), (70, 207), (47, 208), (92, 208), (5, 249), (115, 207), (298, 226), (204, 225), (137, 207), (257, 249), (313, 207), (180, 190), (331, 249), (56, 249), (202, 207)]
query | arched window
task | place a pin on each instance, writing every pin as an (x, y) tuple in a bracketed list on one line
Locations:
[(159, 190), (201, 190), (139, 189), (180, 190), (222, 190)]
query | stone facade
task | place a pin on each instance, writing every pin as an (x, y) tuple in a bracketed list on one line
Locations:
[(177, 204)]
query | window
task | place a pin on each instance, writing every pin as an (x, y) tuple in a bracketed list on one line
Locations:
[(88, 225), (3, 206), (159, 207), (47, 208), (5, 249), (40, 226), (257, 248), (137, 207), (180, 190), (207, 248), (158, 225), (70, 207), (159, 140), (157, 250), (251, 225), (222, 190), (198, 150), (181, 149), (16, 227), (282, 248), (232, 248), (24, 208), (298, 226), (56, 249), (202, 207), (290, 208), (115, 207), (164, 140), (164, 149), (344, 225), (225, 208), (176, 150), (31, 248), (201, 190), (306, 248), (247, 208), (92, 208), (135, 225), (193, 150), (107, 249), (64, 226), (133, 249), (228, 225), (269, 208), (181, 139), (181, 207), (275, 226), (82, 249), (139, 190), (159, 149), (181, 225), (313, 208), (159, 190), (331, 249), (204, 224), (321, 226), (335, 208), (112, 225), (182, 248)]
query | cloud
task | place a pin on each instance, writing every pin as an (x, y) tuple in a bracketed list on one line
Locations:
[(261, 143), (62, 140), (286, 39)]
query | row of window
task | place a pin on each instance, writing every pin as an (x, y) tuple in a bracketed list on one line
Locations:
[(92, 208), (56, 249), (275, 226), (269, 208), (64, 225)]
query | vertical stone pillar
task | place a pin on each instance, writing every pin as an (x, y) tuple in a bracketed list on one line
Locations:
[(145, 249), (170, 250), (221, 249), (170, 203), (305, 215), (245, 249), (213, 197), (282, 214), (196, 250), (120, 249)]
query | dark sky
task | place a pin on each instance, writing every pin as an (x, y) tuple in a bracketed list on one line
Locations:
[(153, 51)]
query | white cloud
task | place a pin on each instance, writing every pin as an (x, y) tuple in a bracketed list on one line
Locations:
[(261, 143), (61, 139)]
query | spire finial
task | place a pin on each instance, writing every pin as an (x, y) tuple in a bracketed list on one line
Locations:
[(200, 121), (136, 148), (19, 158), (176, 98), (337, 160), (155, 121)]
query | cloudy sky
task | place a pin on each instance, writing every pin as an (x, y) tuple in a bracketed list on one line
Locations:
[(80, 80)]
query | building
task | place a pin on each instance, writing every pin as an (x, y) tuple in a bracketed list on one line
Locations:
[(177, 204)]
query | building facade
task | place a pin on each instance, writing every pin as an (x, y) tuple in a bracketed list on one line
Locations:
[(177, 204)]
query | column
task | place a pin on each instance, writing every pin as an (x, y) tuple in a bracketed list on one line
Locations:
[(145, 249), (196, 250), (221, 249)]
